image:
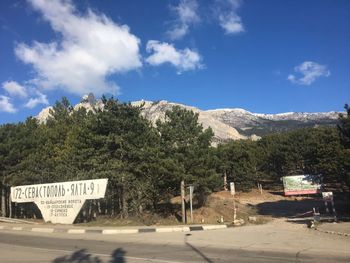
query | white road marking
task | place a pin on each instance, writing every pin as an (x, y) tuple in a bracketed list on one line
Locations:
[(76, 231), (42, 229)]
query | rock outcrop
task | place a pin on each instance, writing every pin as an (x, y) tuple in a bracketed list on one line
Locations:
[(154, 111)]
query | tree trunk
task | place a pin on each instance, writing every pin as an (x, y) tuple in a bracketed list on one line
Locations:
[(3, 198), (10, 206), (125, 209), (225, 181), (99, 210), (93, 209), (107, 207), (90, 210)]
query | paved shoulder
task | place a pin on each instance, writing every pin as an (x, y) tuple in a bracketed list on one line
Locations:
[(108, 230), (342, 229)]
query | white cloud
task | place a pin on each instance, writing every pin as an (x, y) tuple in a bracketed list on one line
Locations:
[(310, 71), (92, 47), (6, 105), (226, 11), (186, 13), (14, 89), (183, 60), (231, 23), (40, 99)]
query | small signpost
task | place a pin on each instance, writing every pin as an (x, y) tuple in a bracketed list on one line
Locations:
[(60, 202), (232, 188)]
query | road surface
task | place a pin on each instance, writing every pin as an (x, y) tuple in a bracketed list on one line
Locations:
[(273, 242)]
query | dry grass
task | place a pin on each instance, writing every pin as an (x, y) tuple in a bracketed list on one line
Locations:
[(222, 204), (218, 205)]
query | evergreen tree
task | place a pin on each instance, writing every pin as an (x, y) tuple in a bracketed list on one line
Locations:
[(188, 145), (344, 126)]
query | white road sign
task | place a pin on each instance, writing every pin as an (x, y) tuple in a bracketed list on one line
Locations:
[(60, 202)]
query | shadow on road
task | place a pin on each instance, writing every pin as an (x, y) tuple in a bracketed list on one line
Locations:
[(205, 258), (302, 207), (82, 256), (289, 208), (118, 256)]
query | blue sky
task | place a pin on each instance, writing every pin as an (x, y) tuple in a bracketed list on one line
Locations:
[(263, 56)]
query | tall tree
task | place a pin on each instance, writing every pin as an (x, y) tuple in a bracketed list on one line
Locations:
[(186, 142), (344, 126), (239, 160)]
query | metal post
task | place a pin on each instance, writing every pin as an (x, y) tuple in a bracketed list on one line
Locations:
[(183, 201), (191, 197)]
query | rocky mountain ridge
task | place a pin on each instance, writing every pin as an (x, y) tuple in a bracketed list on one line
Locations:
[(248, 123), (226, 123)]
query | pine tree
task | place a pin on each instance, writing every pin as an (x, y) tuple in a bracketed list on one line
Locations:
[(344, 126)]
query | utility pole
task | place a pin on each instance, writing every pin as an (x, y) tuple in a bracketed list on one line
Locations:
[(183, 201)]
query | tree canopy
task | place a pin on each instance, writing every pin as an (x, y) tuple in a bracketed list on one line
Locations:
[(145, 163)]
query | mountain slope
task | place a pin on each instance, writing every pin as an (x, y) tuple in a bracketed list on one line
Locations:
[(248, 123), (227, 124)]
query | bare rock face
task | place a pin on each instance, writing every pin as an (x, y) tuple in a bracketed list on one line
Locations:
[(90, 103), (154, 111), (87, 102), (227, 124), (44, 114)]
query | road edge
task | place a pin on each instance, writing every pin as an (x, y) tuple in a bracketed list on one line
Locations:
[(114, 231)]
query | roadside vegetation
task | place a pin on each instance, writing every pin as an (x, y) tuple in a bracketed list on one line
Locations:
[(145, 163)]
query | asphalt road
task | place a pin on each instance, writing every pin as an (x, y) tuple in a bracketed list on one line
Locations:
[(246, 244)]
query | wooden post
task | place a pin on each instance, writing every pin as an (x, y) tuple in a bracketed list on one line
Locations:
[(183, 201), (3, 198), (10, 206), (225, 181), (260, 188), (234, 210)]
